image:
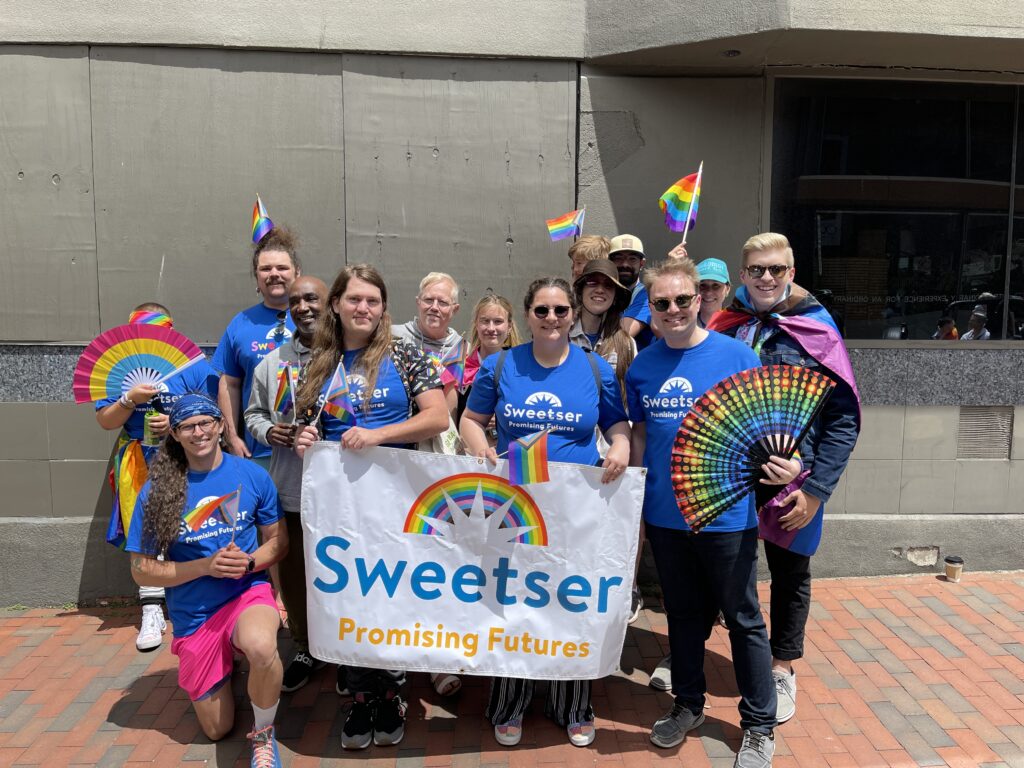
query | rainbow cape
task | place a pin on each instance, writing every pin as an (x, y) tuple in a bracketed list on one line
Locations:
[(680, 202), (148, 317), (568, 225), (126, 478), (261, 223), (284, 402), (228, 505), (338, 402), (528, 459)]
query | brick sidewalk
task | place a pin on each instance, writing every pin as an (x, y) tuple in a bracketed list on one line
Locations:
[(900, 671)]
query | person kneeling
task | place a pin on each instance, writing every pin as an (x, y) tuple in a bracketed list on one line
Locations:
[(200, 509)]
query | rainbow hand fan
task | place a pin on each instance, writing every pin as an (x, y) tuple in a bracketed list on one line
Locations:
[(734, 428), (130, 355)]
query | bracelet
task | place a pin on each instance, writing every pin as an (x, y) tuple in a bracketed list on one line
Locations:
[(126, 403)]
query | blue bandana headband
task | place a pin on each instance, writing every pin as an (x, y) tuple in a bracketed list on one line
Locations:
[(193, 404)]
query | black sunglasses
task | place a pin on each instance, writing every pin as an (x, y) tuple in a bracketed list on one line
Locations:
[(683, 300), (775, 270), (541, 311)]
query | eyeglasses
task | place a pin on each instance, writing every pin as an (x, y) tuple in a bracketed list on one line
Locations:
[(776, 270), (683, 300), (203, 426), (541, 311), (441, 303), (598, 282)]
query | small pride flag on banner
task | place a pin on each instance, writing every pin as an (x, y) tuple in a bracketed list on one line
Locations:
[(228, 504), (338, 402), (680, 203), (284, 403), (261, 223), (569, 225), (528, 459)]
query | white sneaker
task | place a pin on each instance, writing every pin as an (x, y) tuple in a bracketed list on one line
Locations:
[(785, 691), (151, 633)]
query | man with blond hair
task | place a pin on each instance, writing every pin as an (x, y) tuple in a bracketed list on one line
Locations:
[(587, 248), (785, 325), (437, 302)]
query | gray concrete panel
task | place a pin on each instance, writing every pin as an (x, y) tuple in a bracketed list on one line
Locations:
[(527, 28), (184, 139), (80, 489), (24, 432), (47, 241), (73, 433), (454, 165), (26, 489), (639, 135)]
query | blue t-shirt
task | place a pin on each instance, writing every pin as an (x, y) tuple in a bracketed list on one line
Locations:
[(564, 398), (192, 603), (640, 310), (661, 386), (389, 403), (199, 377), (250, 336)]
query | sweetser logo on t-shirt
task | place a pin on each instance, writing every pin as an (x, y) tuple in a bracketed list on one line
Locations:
[(357, 386), (275, 337), (674, 398), (541, 409)]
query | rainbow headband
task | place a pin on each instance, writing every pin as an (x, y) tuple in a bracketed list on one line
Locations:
[(148, 317)]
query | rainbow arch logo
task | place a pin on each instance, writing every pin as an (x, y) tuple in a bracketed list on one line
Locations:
[(471, 491)]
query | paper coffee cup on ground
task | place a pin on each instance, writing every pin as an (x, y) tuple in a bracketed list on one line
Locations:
[(954, 568)]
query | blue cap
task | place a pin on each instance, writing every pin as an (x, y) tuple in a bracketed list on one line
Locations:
[(713, 269)]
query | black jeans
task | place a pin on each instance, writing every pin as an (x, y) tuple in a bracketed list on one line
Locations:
[(790, 600), (692, 567)]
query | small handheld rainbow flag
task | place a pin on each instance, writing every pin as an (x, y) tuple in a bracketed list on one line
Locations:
[(261, 223), (528, 459), (148, 317), (454, 361), (680, 203), (228, 504), (284, 403), (569, 225), (338, 402)]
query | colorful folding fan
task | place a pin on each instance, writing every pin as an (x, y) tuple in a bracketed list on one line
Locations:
[(130, 355), (734, 428)]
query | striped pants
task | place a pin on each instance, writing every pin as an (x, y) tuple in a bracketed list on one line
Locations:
[(568, 701)]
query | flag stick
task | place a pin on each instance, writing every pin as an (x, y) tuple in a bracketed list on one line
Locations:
[(540, 432), (693, 196), (234, 520)]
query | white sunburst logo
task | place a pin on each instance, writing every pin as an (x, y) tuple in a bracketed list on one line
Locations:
[(544, 398), (675, 384)]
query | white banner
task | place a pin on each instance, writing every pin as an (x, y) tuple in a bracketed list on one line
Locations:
[(422, 561)]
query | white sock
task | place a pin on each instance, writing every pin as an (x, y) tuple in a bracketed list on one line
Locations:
[(264, 717)]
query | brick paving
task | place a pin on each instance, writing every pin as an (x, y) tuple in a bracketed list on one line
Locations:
[(899, 671)]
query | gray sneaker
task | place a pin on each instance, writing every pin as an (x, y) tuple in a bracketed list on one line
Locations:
[(756, 751), (671, 729), (785, 690), (661, 677)]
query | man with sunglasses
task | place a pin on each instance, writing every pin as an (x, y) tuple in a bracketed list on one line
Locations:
[(785, 325), (627, 254), (718, 566)]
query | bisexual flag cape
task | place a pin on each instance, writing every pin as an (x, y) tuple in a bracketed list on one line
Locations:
[(810, 325)]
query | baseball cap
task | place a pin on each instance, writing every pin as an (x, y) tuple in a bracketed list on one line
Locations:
[(627, 243), (713, 269)]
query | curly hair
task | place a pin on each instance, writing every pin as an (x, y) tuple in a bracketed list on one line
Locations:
[(329, 339), (513, 339), (277, 239), (168, 491)]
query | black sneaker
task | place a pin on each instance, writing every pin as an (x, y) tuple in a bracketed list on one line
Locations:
[(358, 730), (342, 685), (389, 721), (300, 669), (672, 728), (636, 606)]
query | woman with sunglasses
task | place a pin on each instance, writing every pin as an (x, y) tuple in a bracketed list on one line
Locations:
[(572, 382), (205, 512), (785, 325), (398, 400)]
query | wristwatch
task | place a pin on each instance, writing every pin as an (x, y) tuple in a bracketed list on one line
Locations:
[(252, 565)]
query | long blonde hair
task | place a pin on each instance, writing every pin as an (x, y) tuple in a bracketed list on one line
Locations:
[(329, 339), (494, 300)]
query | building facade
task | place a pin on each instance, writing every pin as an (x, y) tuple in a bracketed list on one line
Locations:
[(888, 146)]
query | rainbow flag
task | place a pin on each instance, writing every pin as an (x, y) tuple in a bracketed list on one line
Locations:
[(454, 361), (284, 403), (127, 477), (528, 459), (338, 402), (569, 225), (680, 202), (261, 223), (148, 317), (203, 512)]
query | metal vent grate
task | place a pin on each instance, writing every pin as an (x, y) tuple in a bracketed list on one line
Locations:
[(985, 432)]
